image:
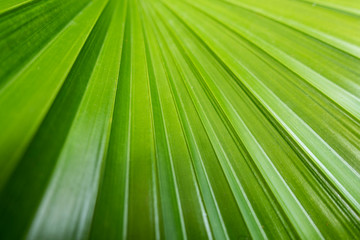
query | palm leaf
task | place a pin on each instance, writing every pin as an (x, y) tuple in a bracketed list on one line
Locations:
[(144, 119)]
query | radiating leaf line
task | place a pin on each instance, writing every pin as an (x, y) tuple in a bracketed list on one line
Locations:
[(35, 106), (10, 5), (334, 34), (328, 88), (159, 119), (348, 6), (319, 163), (58, 121)]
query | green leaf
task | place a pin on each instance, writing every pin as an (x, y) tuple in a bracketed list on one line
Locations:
[(151, 119)]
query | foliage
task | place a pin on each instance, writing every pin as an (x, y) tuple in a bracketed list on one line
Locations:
[(200, 119)]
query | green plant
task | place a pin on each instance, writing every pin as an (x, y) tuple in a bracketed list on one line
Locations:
[(141, 119)]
